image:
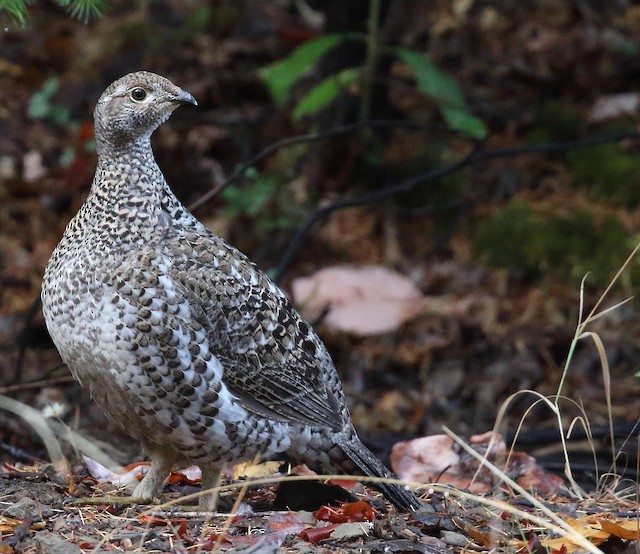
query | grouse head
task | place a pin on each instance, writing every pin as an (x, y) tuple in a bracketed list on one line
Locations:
[(134, 106)]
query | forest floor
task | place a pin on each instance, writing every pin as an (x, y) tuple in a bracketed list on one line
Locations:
[(495, 317)]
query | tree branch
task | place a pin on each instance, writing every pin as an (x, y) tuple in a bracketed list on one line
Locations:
[(476, 156)]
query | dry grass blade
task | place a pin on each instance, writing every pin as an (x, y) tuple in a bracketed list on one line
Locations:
[(552, 404), (51, 431), (582, 333), (40, 426), (611, 284), (606, 377), (558, 526), (83, 445)]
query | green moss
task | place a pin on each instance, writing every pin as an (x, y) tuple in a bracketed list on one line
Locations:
[(556, 122), (608, 171), (535, 244)]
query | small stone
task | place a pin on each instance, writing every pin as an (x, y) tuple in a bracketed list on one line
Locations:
[(454, 539), (352, 530), (27, 508), (48, 543)]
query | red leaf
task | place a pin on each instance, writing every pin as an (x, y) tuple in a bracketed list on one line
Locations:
[(214, 540), (182, 530), (348, 484), (288, 522), (358, 511), (179, 478), (147, 519), (316, 534), (349, 512)]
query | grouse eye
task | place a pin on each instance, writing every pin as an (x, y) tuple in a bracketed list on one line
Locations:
[(138, 94)]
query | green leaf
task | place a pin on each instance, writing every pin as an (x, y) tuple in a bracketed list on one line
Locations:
[(325, 91), (248, 200), (17, 9), (442, 88), (84, 9), (39, 107), (462, 120), (281, 76), (431, 80), (49, 87)]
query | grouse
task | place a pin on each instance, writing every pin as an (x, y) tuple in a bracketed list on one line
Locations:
[(180, 338)]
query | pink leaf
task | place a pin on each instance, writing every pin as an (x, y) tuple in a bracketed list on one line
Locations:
[(362, 300)]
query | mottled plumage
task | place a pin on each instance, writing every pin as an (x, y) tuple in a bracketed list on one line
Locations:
[(180, 338)]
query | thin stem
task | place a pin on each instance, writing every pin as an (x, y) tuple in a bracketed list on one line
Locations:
[(371, 59)]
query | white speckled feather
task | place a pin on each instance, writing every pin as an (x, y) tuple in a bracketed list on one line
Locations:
[(179, 337)]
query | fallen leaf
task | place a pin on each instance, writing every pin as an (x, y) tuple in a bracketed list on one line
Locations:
[(362, 300), (180, 478), (8, 524), (438, 458), (103, 474), (316, 534), (479, 537), (287, 522), (348, 484), (192, 473), (568, 545), (349, 512), (627, 529), (182, 531), (423, 459), (154, 521), (351, 530), (588, 527), (613, 106), (248, 469)]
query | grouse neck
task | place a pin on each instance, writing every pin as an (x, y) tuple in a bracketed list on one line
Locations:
[(127, 198), (130, 187), (113, 144), (132, 172)]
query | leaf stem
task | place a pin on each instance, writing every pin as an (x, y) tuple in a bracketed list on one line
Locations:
[(371, 58)]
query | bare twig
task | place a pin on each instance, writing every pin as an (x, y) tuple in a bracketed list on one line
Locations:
[(477, 155), (299, 139)]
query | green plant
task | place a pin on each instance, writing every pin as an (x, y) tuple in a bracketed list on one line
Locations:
[(431, 81), (256, 199), (40, 106), (81, 9), (533, 243), (607, 171)]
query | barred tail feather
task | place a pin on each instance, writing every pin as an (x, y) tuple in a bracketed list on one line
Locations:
[(398, 495)]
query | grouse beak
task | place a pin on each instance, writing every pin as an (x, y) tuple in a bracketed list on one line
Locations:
[(185, 98)]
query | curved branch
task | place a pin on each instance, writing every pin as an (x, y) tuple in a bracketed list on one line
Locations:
[(298, 139), (476, 156)]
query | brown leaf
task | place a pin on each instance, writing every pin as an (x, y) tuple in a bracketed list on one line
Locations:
[(624, 529), (437, 457)]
